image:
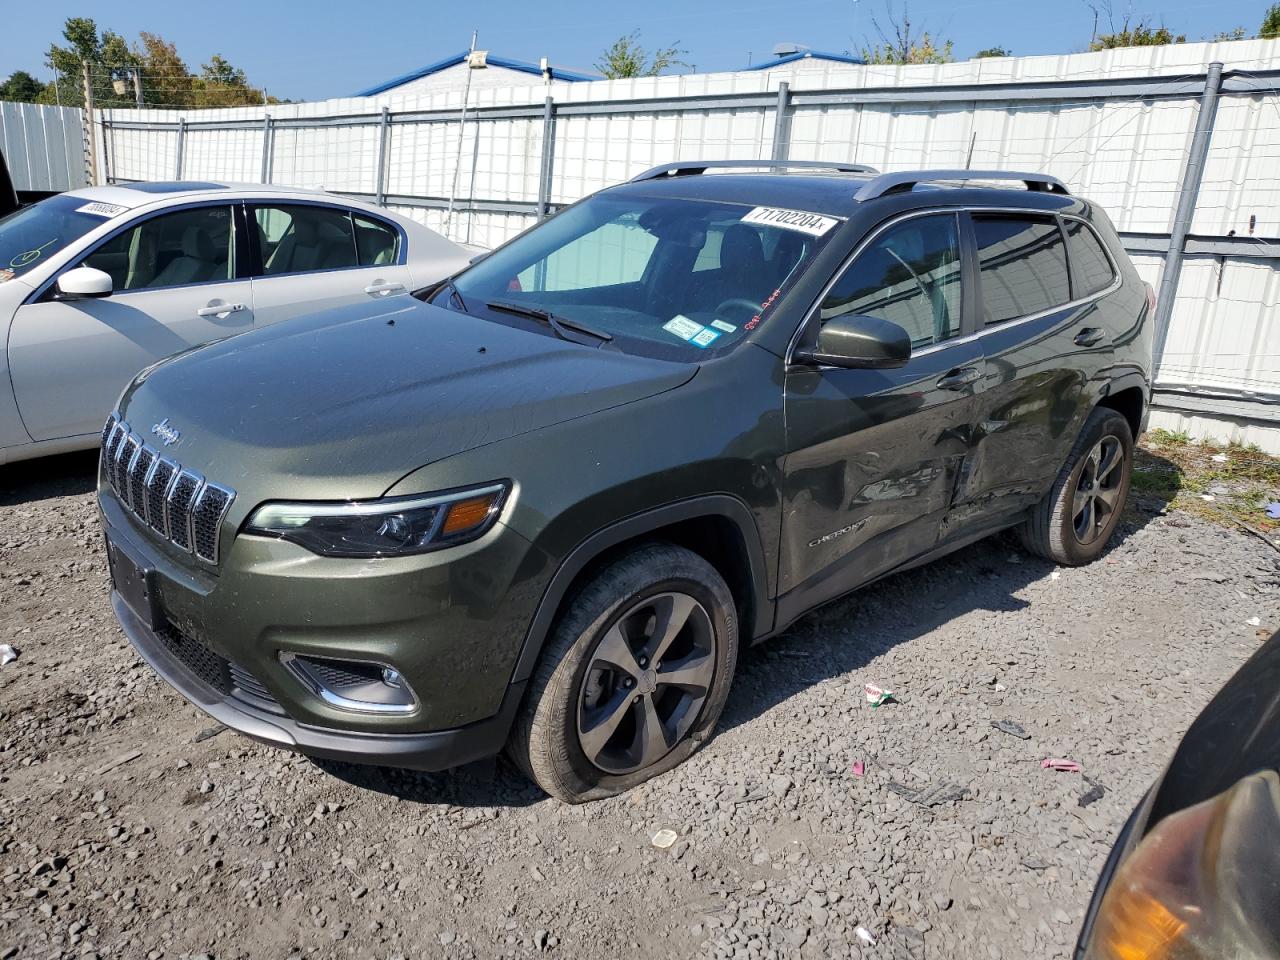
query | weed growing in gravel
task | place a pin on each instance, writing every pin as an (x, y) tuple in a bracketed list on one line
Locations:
[(1240, 479)]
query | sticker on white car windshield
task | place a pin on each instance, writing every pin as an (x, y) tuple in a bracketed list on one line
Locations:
[(722, 326), (100, 209), (814, 224), (690, 330)]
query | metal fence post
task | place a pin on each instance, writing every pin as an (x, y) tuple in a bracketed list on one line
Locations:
[(182, 141), (266, 149), (1188, 194), (548, 157), (384, 130), (782, 122)]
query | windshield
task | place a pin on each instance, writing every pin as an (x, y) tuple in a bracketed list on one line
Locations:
[(670, 278), (33, 234)]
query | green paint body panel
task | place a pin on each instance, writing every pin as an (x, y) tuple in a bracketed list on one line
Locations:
[(830, 478)]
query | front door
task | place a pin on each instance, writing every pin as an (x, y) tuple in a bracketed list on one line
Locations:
[(874, 456), (316, 257), (174, 287)]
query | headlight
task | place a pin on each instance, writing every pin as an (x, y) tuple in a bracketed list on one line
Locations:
[(396, 526), (1204, 884)]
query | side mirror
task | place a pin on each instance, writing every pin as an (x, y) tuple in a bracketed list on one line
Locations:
[(857, 341), (84, 283)]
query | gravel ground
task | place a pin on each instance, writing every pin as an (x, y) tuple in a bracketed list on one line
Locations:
[(129, 827)]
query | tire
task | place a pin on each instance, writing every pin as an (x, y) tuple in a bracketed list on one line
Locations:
[(1058, 527), (580, 699)]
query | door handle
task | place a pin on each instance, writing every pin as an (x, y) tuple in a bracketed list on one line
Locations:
[(383, 289), (220, 309), (959, 378), (1089, 336)]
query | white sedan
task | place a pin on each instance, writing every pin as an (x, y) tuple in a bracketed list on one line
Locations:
[(98, 283)]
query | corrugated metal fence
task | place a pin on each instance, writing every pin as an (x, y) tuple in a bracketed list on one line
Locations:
[(1117, 126), (43, 146)]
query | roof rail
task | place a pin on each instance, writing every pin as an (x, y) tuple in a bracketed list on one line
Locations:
[(686, 168), (906, 179)]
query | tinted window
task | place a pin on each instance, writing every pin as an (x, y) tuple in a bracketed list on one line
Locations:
[(376, 242), (1090, 269), (613, 253), (910, 274), (301, 239), (171, 250), (1024, 266)]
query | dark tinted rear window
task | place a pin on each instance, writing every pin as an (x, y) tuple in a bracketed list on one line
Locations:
[(1090, 269), (1023, 263)]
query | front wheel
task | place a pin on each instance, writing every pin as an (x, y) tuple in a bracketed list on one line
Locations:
[(634, 676), (1077, 517)]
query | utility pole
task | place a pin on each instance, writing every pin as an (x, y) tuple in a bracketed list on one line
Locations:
[(137, 86), (90, 131), (462, 130)]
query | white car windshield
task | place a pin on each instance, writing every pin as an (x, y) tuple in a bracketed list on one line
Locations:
[(28, 237)]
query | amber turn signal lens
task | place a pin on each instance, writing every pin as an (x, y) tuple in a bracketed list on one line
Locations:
[(468, 514), (1135, 926)]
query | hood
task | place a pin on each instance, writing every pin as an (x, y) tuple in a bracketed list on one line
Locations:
[(342, 404)]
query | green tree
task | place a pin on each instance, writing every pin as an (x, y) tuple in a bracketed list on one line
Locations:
[(992, 52), (110, 61), (626, 58), (1270, 23), (1236, 33), (21, 87), (903, 44), (166, 81), (222, 85)]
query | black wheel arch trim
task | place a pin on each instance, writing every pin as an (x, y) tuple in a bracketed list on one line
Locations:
[(715, 505)]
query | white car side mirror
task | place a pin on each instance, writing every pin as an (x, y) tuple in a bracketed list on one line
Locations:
[(84, 283)]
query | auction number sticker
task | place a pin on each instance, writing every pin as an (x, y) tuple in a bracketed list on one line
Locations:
[(814, 224), (100, 209)]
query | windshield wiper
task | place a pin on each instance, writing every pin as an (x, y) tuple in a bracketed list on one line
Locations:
[(557, 323)]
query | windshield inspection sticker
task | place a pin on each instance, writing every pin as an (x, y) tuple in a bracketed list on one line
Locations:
[(98, 208), (813, 224), (691, 331)]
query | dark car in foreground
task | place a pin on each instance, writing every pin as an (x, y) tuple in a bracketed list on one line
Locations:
[(1195, 873), (544, 504)]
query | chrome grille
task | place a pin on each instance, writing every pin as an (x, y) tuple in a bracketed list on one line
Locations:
[(178, 504)]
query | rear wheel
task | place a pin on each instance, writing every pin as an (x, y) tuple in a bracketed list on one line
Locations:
[(634, 676), (1077, 517)]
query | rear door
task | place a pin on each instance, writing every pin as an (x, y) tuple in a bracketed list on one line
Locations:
[(175, 285), (874, 455), (1048, 353), (314, 257)]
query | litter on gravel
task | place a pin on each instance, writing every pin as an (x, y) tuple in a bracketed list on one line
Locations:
[(1095, 792), (1064, 766), (664, 838), (1273, 511), (865, 935), (877, 695), (7, 654), (931, 795), (1011, 728), (859, 768)]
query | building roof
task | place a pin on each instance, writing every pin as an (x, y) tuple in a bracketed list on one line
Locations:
[(559, 73), (804, 55)]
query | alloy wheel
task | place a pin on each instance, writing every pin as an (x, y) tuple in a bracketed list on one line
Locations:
[(1097, 494), (646, 682)]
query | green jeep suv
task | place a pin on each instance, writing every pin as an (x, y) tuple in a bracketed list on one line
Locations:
[(544, 504)]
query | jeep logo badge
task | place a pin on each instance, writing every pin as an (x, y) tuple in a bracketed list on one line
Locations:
[(165, 432)]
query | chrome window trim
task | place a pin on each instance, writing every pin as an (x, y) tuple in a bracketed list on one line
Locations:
[(811, 312), (1106, 252), (217, 525)]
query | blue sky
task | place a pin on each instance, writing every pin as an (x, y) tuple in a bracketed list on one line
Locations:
[(323, 48)]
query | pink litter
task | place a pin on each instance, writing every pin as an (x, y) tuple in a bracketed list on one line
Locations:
[(1066, 766), (859, 768)]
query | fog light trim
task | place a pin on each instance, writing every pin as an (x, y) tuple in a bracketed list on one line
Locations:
[(304, 668)]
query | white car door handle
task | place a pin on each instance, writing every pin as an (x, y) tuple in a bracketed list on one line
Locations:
[(219, 309), (383, 289)]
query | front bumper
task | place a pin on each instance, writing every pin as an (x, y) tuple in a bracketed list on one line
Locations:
[(451, 623), (434, 750)]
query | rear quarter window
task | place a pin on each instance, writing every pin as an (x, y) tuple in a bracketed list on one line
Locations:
[(1023, 265), (1091, 270)]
